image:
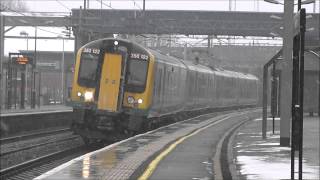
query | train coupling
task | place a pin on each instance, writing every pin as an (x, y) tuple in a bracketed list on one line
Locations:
[(105, 123)]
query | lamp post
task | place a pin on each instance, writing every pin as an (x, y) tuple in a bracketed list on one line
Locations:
[(24, 33), (33, 91), (1, 59), (62, 72), (144, 5)]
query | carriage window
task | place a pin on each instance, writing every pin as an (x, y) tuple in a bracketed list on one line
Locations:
[(137, 75), (88, 69)]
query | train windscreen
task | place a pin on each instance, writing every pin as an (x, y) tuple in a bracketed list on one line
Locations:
[(88, 69), (137, 75)]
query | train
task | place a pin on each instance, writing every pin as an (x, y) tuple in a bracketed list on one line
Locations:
[(121, 87)]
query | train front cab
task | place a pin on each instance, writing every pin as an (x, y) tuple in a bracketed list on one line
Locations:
[(112, 79), (98, 81)]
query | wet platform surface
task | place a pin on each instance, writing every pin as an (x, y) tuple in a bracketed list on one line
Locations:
[(125, 159), (265, 159), (193, 159)]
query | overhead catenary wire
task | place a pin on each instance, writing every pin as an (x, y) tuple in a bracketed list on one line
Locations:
[(105, 4), (58, 1), (22, 14)]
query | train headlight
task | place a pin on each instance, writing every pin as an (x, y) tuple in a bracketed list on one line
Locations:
[(130, 100), (79, 94), (116, 43), (88, 96), (140, 101)]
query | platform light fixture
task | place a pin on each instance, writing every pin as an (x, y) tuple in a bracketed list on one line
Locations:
[(302, 3), (308, 2), (274, 34), (273, 1), (24, 33), (275, 17), (309, 16), (310, 29)]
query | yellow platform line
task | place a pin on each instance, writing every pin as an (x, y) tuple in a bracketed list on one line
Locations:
[(153, 165)]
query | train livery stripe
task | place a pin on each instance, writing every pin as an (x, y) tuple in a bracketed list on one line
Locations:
[(154, 163)]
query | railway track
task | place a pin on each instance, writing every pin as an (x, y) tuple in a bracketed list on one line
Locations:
[(33, 135), (35, 167), (29, 155), (38, 145)]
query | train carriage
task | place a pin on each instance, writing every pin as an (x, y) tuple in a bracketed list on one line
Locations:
[(122, 88), (169, 83)]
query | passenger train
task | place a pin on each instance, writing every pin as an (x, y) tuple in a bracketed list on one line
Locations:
[(120, 87)]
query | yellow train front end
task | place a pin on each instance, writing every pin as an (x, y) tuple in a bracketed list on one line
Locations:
[(112, 88), (82, 93)]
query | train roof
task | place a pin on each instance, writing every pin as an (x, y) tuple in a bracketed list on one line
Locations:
[(200, 68), (166, 58), (175, 61), (222, 72), (197, 67), (235, 74), (181, 63)]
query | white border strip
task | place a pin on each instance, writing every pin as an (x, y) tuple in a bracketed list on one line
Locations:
[(34, 113)]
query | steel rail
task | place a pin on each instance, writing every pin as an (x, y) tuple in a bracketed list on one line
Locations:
[(13, 170), (32, 135), (38, 145)]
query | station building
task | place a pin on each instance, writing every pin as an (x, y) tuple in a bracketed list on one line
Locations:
[(52, 78)]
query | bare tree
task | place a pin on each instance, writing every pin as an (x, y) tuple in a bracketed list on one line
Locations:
[(12, 5)]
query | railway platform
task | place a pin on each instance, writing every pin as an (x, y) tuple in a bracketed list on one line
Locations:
[(16, 122), (178, 151), (255, 158), (37, 110), (206, 147)]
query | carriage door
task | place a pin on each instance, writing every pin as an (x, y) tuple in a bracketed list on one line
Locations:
[(110, 83)]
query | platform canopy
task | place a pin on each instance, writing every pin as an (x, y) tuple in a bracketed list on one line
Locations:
[(265, 24), (187, 22)]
